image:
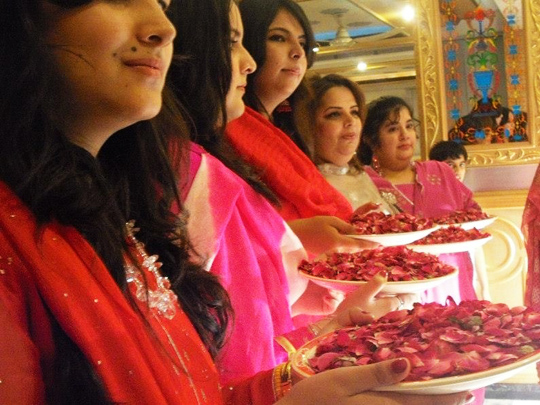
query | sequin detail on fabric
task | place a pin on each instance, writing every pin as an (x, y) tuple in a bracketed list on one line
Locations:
[(162, 299)]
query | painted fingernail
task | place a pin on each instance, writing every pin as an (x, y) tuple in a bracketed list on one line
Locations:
[(469, 399), (383, 274), (399, 366)]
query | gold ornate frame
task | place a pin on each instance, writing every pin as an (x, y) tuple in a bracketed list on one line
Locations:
[(431, 95)]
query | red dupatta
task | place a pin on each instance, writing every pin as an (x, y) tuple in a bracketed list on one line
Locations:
[(302, 191), (136, 366)]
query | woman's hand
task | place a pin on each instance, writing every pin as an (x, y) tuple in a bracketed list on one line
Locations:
[(318, 300), (326, 234), (362, 306), (364, 209), (352, 385), (366, 297)]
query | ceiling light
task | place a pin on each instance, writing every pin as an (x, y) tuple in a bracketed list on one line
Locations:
[(407, 13), (362, 66)]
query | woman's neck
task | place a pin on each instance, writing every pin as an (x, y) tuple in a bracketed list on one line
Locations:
[(402, 176), (268, 106)]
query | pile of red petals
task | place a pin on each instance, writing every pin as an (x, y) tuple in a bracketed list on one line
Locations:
[(439, 341), (376, 223), (458, 217), (451, 234), (399, 262)]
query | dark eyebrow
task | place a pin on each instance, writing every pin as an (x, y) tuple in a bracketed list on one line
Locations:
[(340, 108), (329, 108), (387, 123), (286, 31)]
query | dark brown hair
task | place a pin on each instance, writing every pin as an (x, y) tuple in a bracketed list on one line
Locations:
[(378, 112), (257, 15), (133, 177), (319, 87)]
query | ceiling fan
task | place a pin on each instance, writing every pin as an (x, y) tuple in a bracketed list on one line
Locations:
[(343, 37), (342, 34)]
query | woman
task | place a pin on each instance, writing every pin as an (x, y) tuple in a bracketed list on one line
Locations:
[(233, 225), (87, 316), (279, 38), (336, 111), (425, 189)]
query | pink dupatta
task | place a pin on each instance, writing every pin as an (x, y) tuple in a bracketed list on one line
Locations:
[(531, 230), (248, 245)]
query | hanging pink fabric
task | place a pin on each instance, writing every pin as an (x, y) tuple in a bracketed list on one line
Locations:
[(531, 230)]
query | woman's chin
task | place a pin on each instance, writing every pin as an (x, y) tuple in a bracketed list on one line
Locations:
[(236, 112)]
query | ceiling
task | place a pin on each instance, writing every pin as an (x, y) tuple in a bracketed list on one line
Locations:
[(359, 17), (372, 31), (375, 33)]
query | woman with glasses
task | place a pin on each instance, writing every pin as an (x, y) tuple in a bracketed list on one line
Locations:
[(424, 189)]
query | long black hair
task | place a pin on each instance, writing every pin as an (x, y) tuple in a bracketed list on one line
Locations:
[(257, 15), (201, 78), (132, 177)]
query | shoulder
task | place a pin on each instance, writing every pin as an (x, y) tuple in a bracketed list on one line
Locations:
[(17, 232), (370, 172), (431, 165), (195, 149), (435, 167)]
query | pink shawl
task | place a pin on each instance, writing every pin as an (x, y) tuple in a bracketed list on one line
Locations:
[(436, 192), (248, 245)]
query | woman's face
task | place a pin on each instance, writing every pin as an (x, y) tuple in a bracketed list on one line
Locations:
[(242, 65), (338, 126), (285, 63), (397, 137), (112, 58)]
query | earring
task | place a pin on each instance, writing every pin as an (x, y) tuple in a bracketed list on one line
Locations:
[(375, 164)]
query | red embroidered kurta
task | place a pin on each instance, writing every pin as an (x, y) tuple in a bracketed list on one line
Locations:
[(56, 274)]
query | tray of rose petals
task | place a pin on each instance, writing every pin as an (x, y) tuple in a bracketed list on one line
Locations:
[(451, 239), (407, 271), (391, 230), (467, 219), (451, 348)]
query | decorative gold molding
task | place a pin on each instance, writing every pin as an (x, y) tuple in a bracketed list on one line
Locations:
[(429, 74), (430, 82), (501, 199)]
